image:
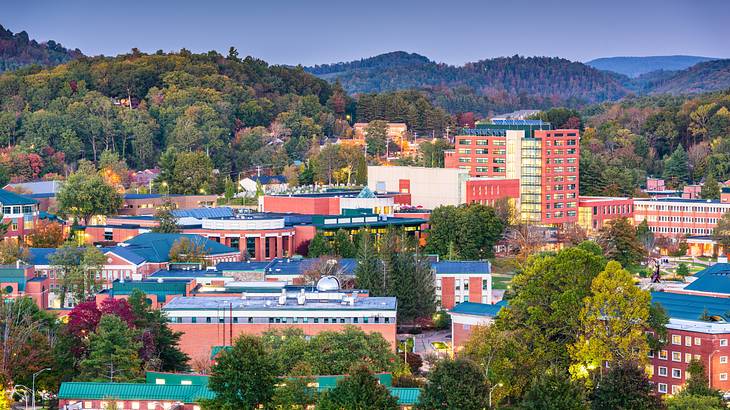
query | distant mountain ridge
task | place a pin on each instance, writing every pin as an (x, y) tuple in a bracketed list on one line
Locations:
[(18, 50), (507, 83), (636, 66), (538, 76)]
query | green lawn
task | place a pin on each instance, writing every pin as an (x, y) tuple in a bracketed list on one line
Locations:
[(501, 282)]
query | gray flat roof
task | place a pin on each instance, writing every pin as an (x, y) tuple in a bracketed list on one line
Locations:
[(272, 303)]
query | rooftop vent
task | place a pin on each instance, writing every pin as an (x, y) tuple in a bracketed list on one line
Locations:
[(160, 280), (301, 297), (282, 297)]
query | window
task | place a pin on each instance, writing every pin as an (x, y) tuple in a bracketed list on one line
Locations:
[(698, 341), (676, 356), (135, 405), (688, 341), (687, 357), (723, 342), (723, 359), (676, 373), (650, 354), (662, 387), (662, 371), (723, 376), (675, 389)]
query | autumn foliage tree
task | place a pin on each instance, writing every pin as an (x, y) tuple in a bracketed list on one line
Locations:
[(46, 234)]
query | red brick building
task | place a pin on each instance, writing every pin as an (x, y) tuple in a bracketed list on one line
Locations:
[(545, 161), (595, 211), (215, 321), (466, 316), (462, 281)]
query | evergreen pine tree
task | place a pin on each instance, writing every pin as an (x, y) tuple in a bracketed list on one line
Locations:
[(358, 391), (369, 271), (319, 246), (412, 282), (676, 168), (342, 246), (711, 188), (113, 352)]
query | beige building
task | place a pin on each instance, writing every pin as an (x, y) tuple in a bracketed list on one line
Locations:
[(396, 131), (429, 187)]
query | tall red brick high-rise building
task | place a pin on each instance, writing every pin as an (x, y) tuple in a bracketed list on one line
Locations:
[(545, 161)]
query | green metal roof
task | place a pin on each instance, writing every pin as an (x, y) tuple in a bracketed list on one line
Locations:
[(407, 396), (185, 379), (133, 391)]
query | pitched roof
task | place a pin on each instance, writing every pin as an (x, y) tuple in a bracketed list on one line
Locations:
[(715, 279), (126, 252), (39, 256), (8, 198), (692, 307), (366, 193), (38, 187), (133, 391), (155, 247), (478, 309)]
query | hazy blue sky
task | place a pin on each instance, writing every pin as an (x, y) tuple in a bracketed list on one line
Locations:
[(312, 31)]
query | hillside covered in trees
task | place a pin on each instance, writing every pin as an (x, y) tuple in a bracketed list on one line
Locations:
[(507, 83), (684, 140), (636, 66), (18, 50), (192, 112)]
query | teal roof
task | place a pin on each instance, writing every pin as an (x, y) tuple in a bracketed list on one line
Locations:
[(407, 396), (133, 391), (8, 198), (215, 350), (478, 309), (13, 275), (692, 307), (150, 287), (177, 378), (155, 247)]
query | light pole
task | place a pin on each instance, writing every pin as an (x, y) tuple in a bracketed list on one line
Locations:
[(25, 393), (491, 389), (33, 390)]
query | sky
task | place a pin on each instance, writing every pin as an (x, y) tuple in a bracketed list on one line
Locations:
[(312, 32)]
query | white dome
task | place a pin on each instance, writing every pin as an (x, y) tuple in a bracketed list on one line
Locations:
[(328, 283)]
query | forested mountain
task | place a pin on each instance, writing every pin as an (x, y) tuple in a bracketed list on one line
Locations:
[(700, 78), (145, 108), (483, 86), (636, 66), (18, 50), (682, 139), (506, 83)]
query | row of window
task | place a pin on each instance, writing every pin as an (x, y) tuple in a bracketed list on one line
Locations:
[(559, 214), (684, 208), (569, 151), (17, 209), (558, 161), (614, 209), (559, 170), (685, 219), (497, 142), (666, 229), (569, 195), (259, 320)]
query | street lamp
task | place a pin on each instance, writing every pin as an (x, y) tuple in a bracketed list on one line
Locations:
[(25, 393), (33, 389)]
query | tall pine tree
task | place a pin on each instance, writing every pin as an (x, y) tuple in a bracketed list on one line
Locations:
[(369, 271), (113, 352)]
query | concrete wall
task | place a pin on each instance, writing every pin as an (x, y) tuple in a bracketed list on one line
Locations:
[(429, 187)]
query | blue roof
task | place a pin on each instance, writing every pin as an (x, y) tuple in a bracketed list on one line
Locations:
[(201, 213), (155, 247), (478, 309), (692, 307), (297, 266), (455, 267), (715, 279), (141, 196), (518, 122), (269, 179), (39, 256), (8, 198), (241, 266), (126, 252)]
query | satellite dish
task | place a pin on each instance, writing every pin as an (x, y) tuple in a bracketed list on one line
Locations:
[(328, 283)]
